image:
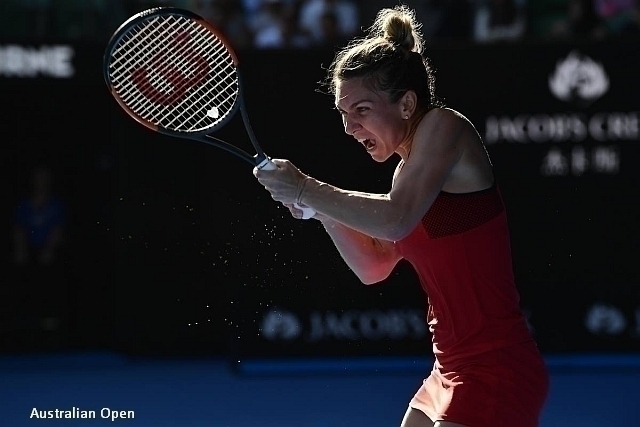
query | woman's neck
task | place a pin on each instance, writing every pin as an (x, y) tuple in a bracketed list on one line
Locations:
[(404, 149)]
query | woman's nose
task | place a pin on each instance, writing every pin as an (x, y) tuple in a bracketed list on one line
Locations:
[(350, 126)]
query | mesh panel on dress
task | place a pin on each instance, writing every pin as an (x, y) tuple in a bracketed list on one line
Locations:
[(456, 213)]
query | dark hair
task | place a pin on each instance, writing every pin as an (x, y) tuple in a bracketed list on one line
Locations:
[(389, 59)]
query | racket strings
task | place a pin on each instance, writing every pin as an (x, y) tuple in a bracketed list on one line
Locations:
[(145, 52), (154, 50), (186, 58), (175, 62), (224, 90), (176, 57), (180, 53)]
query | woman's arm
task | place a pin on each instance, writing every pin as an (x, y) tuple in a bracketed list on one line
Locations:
[(371, 259), (436, 150)]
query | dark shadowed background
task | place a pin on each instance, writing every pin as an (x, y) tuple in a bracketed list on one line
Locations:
[(177, 268)]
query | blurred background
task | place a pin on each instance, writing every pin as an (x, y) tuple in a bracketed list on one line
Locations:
[(152, 274)]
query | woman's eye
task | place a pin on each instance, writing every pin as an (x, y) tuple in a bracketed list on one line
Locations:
[(362, 109)]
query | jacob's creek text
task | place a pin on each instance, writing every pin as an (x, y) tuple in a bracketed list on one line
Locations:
[(77, 413)]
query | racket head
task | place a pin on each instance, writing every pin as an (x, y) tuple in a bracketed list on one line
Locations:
[(173, 72)]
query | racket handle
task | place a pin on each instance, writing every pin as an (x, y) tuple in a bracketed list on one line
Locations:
[(307, 212)]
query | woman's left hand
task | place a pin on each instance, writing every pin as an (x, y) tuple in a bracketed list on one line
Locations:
[(284, 183)]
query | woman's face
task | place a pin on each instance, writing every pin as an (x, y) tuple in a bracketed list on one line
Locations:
[(371, 118)]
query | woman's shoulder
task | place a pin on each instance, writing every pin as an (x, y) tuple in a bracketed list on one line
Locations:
[(445, 113), (440, 117)]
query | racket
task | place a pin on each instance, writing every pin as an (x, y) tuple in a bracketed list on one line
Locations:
[(174, 73)]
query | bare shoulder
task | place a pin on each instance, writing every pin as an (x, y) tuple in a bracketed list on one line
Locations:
[(446, 116), (473, 170), (441, 129), (451, 125)]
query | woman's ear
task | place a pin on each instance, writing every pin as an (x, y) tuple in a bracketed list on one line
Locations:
[(408, 104)]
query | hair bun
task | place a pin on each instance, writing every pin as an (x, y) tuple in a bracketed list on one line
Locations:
[(399, 27), (399, 31)]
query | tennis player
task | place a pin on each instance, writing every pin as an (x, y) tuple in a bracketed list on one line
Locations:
[(444, 214)]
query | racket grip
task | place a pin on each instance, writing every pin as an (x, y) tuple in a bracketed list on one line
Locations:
[(307, 212)]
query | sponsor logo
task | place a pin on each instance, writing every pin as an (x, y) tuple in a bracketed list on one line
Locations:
[(577, 161), (578, 79), (558, 128), (581, 142), (280, 325), (176, 83), (605, 319), (348, 325), (30, 62)]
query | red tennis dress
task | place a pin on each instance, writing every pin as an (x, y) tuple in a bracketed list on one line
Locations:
[(488, 371)]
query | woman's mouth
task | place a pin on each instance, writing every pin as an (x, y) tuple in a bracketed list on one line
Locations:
[(369, 144)]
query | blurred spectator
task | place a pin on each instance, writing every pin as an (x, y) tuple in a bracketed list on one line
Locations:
[(39, 243), (331, 34), (251, 8), (40, 222), (337, 19), (134, 6), (294, 36), (454, 20), (544, 16), (581, 22), (432, 14), (275, 26), (591, 19), (228, 16), (40, 17), (499, 20), (61, 19), (262, 14), (621, 18), (26, 19), (270, 23), (442, 20), (88, 19)]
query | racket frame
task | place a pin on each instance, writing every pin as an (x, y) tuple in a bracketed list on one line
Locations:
[(260, 159)]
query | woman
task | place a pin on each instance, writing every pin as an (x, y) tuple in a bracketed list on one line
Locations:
[(444, 214)]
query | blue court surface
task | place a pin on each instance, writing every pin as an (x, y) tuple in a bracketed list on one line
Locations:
[(585, 391)]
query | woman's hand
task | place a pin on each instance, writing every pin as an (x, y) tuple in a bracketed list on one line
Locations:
[(284, 183)]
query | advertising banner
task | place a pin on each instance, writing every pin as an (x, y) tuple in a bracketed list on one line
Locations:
[(194, 256)]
